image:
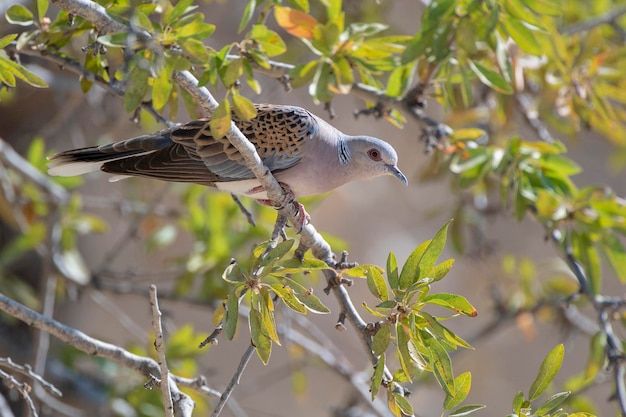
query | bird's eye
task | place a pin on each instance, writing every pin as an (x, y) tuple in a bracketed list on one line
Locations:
[(374, 154)]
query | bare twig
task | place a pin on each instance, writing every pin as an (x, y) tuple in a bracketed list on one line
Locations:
[(159, 346), (21, 387), (245, 358), (26, 370), (183, 404), (244, 210)]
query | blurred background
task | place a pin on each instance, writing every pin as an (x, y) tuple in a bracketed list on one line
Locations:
[(367, 218)]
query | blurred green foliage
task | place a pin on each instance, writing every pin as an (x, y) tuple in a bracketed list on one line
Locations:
[(558, 65)]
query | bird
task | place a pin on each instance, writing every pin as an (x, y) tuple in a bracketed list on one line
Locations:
[(306, 155)]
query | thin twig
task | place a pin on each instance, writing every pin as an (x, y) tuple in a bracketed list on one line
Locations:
[(159, 346), (24, 390), (26, 370), (244, 210), (234, 381), (609, 18), (183, 404)]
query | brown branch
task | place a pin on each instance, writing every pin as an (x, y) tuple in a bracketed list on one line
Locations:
[(609, 18), (92, 12), (245, 358), (159, 346), (183, 404)]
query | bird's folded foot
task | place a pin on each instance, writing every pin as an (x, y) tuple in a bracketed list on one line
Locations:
[(303, 217)]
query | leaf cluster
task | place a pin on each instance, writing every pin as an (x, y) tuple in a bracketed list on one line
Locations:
[(421, 341), (267, 279)]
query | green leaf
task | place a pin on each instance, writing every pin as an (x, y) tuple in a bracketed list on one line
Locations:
[(233, 275), (548, 370), (267, 315), (286, 294), (136, 90), (268, 40), (402, 346), (462, 385), (466, 410), (523, 36), (377, 377), (231, 315), (243, 107), (551, 403), (442, 367), (5, 40), (312, 302), (162, 88), (232, 72), (376, 284), (392, 271), (220, 120), (280, 250), (441, 270), (19, 15), (181, 7), (6, 76), (518, 402), (490, 78), (247, 15), (403, 403), (302, 74), (380, 341), (42, 8), (432, 252), (399, 80), (22, 73), (454, 302), (261, 342), (294, 266), (410, 268), (196, 51)]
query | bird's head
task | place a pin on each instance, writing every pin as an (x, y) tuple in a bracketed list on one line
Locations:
[(370, 157)]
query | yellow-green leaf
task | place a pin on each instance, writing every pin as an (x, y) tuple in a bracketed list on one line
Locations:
[(380, 341), (244, 108), (19, 15), (376, 284), (462, 385), (5, 40), (490, 78), (231, 315), (220, 120), (548, 370), (377, 377), (454, 302), (22, 73)]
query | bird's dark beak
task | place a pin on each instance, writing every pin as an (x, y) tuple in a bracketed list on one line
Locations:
[(393, 170)]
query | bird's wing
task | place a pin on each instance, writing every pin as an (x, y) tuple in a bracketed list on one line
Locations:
[(279, 134)]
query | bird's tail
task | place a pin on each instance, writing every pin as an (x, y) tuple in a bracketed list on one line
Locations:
[(84, 160)]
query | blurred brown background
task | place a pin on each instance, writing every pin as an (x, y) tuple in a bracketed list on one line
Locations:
[(373, 217)]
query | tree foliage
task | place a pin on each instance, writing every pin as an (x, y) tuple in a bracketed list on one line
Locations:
[(558, 66)]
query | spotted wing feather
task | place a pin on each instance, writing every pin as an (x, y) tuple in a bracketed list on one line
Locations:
[(279, 134)]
